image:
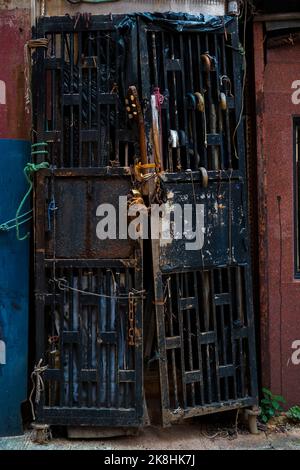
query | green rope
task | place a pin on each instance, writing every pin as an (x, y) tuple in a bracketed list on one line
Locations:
[(29, 170), (6, 226)]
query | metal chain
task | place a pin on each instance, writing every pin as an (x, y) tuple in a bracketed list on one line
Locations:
[(131, 318)]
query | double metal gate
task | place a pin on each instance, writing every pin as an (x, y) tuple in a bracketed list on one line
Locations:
[(89, 292)]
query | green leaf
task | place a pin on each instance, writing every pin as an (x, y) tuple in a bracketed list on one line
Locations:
[(294, 413), (279, 398), (271, 412), (266, 401), (267, 392), (276, 405)]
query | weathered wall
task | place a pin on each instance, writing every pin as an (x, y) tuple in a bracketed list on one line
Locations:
[(60, 7), (279, 291), (214, 7), (14, 32)]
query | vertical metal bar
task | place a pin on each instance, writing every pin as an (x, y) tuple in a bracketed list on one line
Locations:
[(62, 123), (214, 164), (139, 380), (160, 331), (71, 92), (220, 111), (238, 62), (99, 141), (90, 147), (173, 357), (233, 348), (227, 120), (53, 83), (193, 131), (127, 349), (241, 319), (168, 164), (198, 332), (89, 312), (62, 299), (102, 347), (117, 329), (144, 77), (80, 346), (179, 292), (212, 299), (108, 106), (203, 115), (39, 275), (223, 331), (80, 89), (117, 124), (189, 333), (175, 104), (108, 291), (71, 327), (205, 279), (185, 112)]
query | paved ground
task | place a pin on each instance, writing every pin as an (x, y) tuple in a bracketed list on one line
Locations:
[(194, 436)]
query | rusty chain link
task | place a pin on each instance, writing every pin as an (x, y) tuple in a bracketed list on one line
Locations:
[(131, 318)]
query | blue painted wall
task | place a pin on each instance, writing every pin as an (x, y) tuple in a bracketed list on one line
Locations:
[(14, 288)]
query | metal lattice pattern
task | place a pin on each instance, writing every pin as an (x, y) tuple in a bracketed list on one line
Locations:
[(81, 106), (195, 99), (204, 314), (208, 347)]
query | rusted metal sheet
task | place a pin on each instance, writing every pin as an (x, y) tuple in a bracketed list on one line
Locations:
[(221, 200), (78, 215), (15, 31)]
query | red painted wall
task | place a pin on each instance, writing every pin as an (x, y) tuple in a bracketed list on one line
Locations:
[(14, 32), (279, 291)]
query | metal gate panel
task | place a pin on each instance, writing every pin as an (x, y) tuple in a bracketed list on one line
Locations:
[(222, 201), (208, 352), (89, 292), (204, 311), (206, 347)]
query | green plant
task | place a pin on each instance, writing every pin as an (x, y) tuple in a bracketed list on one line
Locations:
[(271, 405), (294, 414)]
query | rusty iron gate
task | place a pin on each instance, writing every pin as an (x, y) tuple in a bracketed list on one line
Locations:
[(89, 293), (203, 299)]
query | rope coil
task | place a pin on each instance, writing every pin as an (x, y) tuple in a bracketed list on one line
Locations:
[(38, 385), (29, 170)]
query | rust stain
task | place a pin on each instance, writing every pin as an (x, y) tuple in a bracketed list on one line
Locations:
[(15, 31)]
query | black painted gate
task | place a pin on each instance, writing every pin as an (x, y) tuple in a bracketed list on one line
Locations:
[(203, 298), (89, 293)]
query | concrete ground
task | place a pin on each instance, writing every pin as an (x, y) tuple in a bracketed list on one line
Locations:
[(192, 436)]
